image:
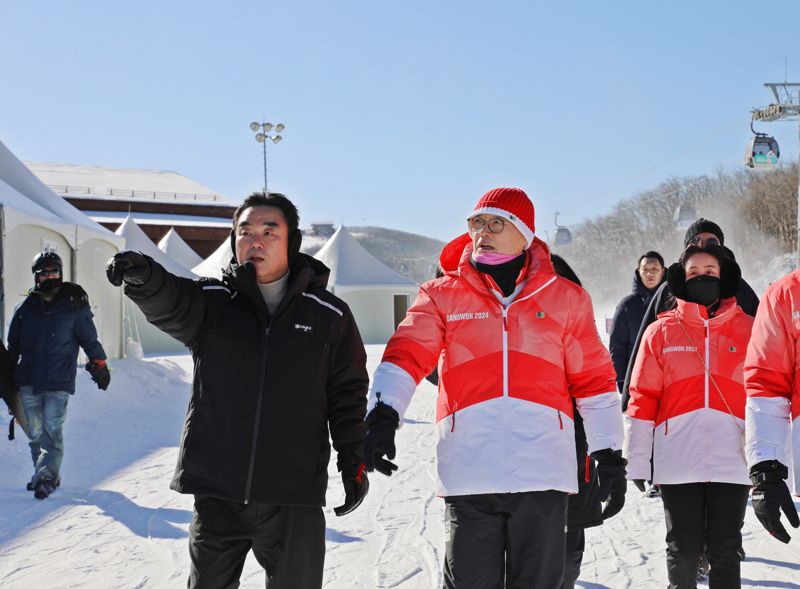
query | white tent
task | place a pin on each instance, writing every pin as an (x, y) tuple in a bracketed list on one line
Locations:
[(176, 248), (153, 340), (214, 264), (35, 218), (378, 296)]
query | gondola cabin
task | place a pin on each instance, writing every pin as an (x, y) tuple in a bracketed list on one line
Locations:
[(563, 236), (762, 152)]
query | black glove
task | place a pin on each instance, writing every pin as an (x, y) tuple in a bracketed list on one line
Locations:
[(640, 484), (355, 483), (611, 479), (770, 496), (129, 267), (382, 421), (98, 369)]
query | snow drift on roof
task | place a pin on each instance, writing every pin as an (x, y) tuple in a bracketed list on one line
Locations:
[(19, 177)]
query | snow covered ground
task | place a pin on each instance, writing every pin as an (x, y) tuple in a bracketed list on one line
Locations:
[(115, 524)]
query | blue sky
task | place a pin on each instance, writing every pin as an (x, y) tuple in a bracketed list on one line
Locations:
[(398, 114)]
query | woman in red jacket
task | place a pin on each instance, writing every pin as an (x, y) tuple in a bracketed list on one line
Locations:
[(687, 406)]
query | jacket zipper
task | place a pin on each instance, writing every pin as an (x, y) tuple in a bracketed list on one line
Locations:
[(666, 426), (257, 421), (560, 423)]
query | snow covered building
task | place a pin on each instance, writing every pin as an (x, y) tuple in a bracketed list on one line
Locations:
[(378, 296), (157, 200), (35, 218)]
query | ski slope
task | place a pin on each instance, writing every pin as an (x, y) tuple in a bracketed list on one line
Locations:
[(115, 523)]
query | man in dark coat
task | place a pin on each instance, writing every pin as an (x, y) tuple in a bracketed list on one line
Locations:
[(647, 277), (43, 340), (278, 362), (701, 233)]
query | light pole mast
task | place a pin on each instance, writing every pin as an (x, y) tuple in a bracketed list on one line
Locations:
[(263, 137), (785, 108)]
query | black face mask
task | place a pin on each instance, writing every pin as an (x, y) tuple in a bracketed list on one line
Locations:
[(48, 286), (703, 290)]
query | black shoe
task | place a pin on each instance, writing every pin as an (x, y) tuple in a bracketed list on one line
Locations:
[(44, 488), (30, 486)]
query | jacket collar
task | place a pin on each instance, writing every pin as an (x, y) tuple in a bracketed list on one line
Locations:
[(698, 314)]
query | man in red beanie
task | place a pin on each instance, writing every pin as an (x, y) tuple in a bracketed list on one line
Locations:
[(515, 343)]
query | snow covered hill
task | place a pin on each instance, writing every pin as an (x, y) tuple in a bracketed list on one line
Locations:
[(115, 524)]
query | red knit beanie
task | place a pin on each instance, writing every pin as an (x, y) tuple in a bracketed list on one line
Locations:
[(512, 204)]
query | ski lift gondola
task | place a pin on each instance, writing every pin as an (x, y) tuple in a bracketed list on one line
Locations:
[(762, 151), (563, 235), (685, 215)]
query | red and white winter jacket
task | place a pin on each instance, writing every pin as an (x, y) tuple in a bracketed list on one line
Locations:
[(507, 375), (771, 378), (687, 397)]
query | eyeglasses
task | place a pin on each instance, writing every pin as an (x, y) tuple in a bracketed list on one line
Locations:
[(496, 225), (48, 272), (703, 241)]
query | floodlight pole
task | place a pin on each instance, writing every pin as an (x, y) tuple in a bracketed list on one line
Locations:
[(785, 108), (261, 131)]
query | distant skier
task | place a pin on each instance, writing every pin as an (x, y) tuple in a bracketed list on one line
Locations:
[(278, 362), (45, 333), (688, 388), (773, 404), (515, 344)]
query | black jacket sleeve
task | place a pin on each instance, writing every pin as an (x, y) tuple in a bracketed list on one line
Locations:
[(619, 343), (347, 387), (661, 301), (174, 304), (746, 298)]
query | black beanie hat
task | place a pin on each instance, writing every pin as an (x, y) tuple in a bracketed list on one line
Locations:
[(729, 272), (703, 226)]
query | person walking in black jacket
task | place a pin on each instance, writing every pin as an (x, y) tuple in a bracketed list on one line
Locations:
[(647, 277), (278, 362), (44, 337)]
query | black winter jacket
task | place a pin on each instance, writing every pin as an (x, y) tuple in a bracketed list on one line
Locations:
[(266, 389), (625, 325), (663, 301)]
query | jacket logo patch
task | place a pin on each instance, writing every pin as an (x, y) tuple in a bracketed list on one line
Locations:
[(669, 349), (303, 328), (795, 314), (464, 316)]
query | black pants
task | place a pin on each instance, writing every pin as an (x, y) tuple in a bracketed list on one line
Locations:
[(698, 514), (573, 556), (288, 542), (512, 540)]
